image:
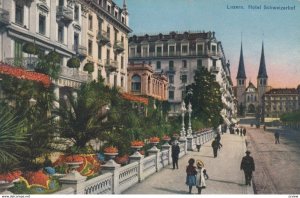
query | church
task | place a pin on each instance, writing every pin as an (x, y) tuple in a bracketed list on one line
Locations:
[(250, 97)]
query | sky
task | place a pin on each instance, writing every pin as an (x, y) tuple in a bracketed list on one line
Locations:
[(278, 29)]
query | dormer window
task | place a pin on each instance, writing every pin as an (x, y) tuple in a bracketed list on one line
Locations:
[(108, 8), (184, 49), (116, 14)]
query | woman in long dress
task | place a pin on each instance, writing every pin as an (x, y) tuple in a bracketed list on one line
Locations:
[(191, 173)]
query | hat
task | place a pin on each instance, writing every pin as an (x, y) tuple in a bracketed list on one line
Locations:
[(248, 152), (199, 163), (175, 142)]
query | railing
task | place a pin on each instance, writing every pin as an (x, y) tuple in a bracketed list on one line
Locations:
[(215, 69), (117, 179), (64, 13), (149, 165), (119, 46), (99, 185), (128, 176), (28, 63), (74, 74), (4, 16), (175, 54), (111, 65), (81, 50), (103, 37)]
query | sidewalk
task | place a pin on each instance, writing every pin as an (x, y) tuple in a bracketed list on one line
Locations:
[(224, 172)]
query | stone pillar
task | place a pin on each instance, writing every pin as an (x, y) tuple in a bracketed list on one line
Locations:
[(168, 147), (190, 143), (154, 151), (75, 180), (112, 167), (184, 141), (137, 157)]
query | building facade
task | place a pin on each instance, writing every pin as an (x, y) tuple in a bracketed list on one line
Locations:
[(280, 101), (143, 81), (72, 29), (179, 55), (250, 99)]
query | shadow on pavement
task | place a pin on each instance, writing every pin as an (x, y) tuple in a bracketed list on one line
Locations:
[(224, 181), (172, 191), (206, 156)]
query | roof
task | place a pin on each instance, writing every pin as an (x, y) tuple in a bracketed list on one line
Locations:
[(251, 85), (241, 70), (281, 91), (262, 73)]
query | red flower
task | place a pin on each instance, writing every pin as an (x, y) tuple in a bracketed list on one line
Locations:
[(73, 158), (11, 176), (111, 149), (137, 143), (122, 159), (23, 74), (166, 137), (38, 177), (154, 139), (134, 98)]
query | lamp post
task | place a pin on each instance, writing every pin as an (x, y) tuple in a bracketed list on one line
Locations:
[(189, 131), (183, 110)]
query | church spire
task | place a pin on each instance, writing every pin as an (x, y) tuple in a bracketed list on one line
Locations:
[(241, 71), (262, 73), (124, 5)]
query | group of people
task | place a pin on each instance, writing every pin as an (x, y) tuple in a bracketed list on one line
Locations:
[(241, 131)]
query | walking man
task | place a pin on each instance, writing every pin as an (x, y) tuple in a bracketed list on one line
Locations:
[(244, 131), (247, 165), (276, 137), (175, 154), (216, 145)]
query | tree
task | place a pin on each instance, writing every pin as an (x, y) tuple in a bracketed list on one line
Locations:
[(206, 99), (49, 64)]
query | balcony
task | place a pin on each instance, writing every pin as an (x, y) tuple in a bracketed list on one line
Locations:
[(64, 14), (111, 65), (215, 69), (171, 71), (119, 47), (73, 74), (80, 50), (27, 63), (103, 37), (4, 17)]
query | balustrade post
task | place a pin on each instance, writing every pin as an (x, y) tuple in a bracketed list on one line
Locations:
[(168, 147), (75, 180), (112, 167), (184, 142), (189, 143), (156, 153), (139, 159)]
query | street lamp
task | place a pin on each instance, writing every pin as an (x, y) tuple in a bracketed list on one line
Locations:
[(189, 131), (183, 110)]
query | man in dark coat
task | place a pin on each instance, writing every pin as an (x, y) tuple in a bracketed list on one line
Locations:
[(276, 137), (248, 166), (216, 145), (218, 137), (175, 154), (244, 131)]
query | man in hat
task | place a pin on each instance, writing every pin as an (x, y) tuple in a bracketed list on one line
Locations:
[(248, 166), (175, 154), (216, 145)]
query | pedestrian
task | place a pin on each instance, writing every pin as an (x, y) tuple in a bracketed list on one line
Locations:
[(237, 131), (264, 127), (247, 165), (218, 137), (216, 145), (276, 137), (198, 146), (244, 131), (202, 176), (175, 154), (191, 173)]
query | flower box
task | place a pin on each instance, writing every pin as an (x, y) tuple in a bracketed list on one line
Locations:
[(10, 177), (111, 149), (154, 140), (73, 158), (166, 138), (137, 143)]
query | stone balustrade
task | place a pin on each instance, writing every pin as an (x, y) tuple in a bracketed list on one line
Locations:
[(115, 179)]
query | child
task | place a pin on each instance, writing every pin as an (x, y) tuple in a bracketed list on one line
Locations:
[(191, 174), (202, 176)]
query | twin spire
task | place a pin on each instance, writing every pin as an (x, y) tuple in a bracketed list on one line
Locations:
[(262, 72)]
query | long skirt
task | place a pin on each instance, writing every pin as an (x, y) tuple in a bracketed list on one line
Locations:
[(191, 180)]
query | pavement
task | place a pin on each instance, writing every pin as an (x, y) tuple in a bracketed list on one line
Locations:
[(225, 176)]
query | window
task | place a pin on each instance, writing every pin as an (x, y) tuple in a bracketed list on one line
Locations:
[(132, 51), (214, 63), (76, 42), (145, 51), (199, 63), (213, 48), (172, 50), (158, 65), (90, 22), (123, 19), (184, 78), (122, 81), (100, 2), (159, 51), (115, 56), (19, 14), (90, 48), (60, 34), (116, 35), (115, 80), (183, 93), (184, 64), (100, 25), (184, 49), (136, 83), (171, 65), (42, 24), (200, 49), (61, 2), (108, 8), (76, 13), (108, 32), (18, 49), (99, 52), (171, 95), (116, 14), (171, 79), (122, 62)]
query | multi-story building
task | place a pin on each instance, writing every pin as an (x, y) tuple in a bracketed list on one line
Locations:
[(280, 101), (71, 28), (143, 81), (179, 55)]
